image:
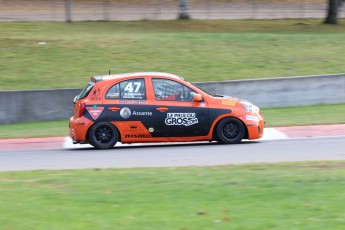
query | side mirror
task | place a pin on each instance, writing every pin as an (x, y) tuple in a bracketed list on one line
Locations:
[(197, 97)]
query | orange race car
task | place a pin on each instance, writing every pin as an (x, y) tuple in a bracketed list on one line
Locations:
[(158, 107)]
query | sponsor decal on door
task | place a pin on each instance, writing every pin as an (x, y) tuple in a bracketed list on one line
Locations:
[(186, 119)]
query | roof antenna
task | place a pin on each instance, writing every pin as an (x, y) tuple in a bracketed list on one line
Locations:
[(109, 72)]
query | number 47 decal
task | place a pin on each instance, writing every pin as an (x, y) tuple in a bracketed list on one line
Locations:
[(129, 87)]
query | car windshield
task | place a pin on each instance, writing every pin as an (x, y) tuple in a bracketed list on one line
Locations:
[(86, 90), (203, 90)]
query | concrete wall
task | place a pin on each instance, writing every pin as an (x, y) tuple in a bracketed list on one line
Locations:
[(39, 105), (36, 105), (283, 92)]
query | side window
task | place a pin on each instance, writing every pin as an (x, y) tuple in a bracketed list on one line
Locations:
[(167, 90), (131, 89), (113, 92)]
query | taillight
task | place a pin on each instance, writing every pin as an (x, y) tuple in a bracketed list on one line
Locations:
[(81, 109)]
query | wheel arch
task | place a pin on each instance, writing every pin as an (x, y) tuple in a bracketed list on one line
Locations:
[(118, 129), (115, 131), (112, 123), (214, 129)]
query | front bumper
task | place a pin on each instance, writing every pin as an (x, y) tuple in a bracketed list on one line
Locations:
[(255, 125)]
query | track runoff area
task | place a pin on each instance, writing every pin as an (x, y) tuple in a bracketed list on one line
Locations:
[(280, 133)]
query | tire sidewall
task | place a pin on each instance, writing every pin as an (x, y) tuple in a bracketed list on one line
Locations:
[(225, 140), (110, 144)]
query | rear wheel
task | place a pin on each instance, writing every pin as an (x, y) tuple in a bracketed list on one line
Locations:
[(103, 135), (230, 131)]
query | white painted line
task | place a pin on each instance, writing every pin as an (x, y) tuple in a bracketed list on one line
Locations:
[(68, 144), (273, 134), (269, 134)]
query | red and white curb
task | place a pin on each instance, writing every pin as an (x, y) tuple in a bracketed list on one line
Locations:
[(273, 134), (278, 133), (269, 134), (68, 144), (31, 143)]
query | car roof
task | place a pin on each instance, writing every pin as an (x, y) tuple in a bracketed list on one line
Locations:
[(136, 74)]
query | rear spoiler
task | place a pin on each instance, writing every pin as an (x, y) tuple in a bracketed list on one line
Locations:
[(97, 78), (101, 78)]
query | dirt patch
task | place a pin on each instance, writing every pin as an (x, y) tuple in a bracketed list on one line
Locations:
[(323, 165)]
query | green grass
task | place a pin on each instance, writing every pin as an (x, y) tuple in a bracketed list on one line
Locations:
[(308, 115), (35, 129), (198, 50), (259, 196)]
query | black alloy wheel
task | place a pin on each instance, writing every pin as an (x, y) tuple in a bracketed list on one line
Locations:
[(230, 130), (103, 135)]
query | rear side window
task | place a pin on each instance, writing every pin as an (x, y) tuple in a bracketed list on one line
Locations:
[(133, 89), (86, 90)]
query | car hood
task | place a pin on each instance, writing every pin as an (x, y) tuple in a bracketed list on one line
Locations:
[(229, 100), (225, 97)]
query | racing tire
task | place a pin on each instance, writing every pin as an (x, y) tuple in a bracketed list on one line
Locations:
[(103, 135), (230, 131)]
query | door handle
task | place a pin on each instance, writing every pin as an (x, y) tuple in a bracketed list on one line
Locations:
[(114, 109), (162, 109)]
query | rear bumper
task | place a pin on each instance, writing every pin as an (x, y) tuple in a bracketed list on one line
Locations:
[(78, 128)]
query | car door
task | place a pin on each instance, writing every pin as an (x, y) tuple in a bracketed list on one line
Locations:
[(127, 102), (175, 113)]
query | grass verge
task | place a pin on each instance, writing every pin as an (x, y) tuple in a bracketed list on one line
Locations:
[(290, 116), (307, 115), (258, 196), (35, 129), (37, 55)]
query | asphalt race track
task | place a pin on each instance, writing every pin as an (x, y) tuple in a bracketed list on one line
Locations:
[(177, 155)]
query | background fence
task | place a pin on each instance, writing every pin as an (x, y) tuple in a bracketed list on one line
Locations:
[(126, 10)]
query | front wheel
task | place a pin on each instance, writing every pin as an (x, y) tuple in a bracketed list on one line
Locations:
[(103, 135), (230, 131)]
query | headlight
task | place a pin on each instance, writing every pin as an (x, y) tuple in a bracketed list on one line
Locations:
[(250, 107)]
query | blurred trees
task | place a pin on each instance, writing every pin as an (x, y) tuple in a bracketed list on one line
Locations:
[(183, 9), (334, 7), (68, 10)]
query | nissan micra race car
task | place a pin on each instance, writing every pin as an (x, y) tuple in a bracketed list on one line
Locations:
[(158, 107)]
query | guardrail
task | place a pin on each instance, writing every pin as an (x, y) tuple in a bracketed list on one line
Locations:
[(43, 105), (36, 105), (284, 92)]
